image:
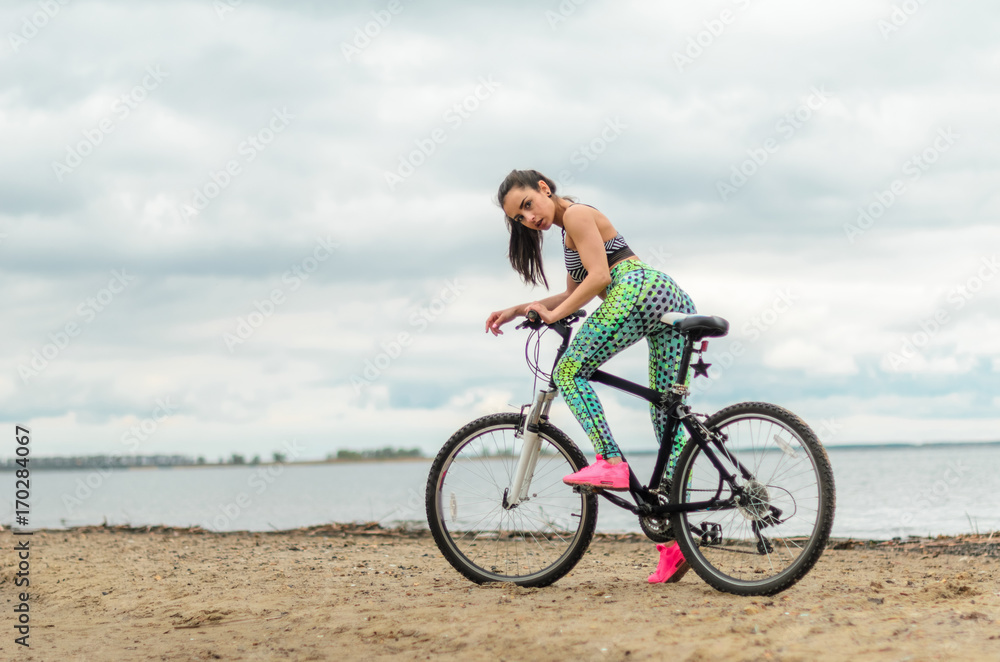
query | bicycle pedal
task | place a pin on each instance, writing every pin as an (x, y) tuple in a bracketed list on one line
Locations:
[(586, 489)]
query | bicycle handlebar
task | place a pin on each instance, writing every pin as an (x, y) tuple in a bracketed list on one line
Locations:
[(533, 321)]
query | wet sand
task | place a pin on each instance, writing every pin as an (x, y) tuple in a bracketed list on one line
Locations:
[(335, 593)]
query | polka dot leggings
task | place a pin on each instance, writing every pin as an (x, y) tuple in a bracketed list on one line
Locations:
[(636, 299)]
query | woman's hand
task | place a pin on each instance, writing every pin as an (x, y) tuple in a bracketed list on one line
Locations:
[(498, 318), (542, 311)]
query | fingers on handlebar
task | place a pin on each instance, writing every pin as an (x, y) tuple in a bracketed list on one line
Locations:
[(533, 317), (534, 321)]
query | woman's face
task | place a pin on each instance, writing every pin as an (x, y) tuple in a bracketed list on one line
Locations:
[(531, 208)]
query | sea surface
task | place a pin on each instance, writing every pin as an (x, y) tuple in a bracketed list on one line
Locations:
[(881, 493)]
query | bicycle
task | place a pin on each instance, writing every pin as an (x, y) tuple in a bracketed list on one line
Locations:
[(751, 508)]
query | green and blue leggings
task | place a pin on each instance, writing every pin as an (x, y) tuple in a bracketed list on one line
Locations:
[(636, 299)]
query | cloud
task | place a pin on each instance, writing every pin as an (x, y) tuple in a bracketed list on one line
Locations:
[(456, 96)]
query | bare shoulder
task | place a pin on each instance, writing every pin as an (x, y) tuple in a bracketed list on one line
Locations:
[(578, 215), (581, 218)]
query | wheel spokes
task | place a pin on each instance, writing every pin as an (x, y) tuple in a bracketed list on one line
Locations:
[(756, 544), (516, 542)]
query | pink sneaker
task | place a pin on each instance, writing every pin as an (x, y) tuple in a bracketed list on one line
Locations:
[(601, 474), (672, 565)]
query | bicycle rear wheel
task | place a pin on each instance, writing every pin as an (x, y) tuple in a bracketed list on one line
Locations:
[(779, 527), (531, 544)]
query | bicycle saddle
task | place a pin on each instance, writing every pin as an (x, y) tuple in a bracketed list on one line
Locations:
[(697, 326)]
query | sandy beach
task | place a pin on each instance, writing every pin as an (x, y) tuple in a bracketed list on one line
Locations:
[(335, 592)]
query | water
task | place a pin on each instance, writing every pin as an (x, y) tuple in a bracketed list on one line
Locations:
[(881, 493)]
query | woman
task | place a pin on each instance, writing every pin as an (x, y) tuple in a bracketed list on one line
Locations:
[(635, 297)]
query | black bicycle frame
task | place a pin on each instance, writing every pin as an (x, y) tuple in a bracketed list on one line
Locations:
[(671, 401)]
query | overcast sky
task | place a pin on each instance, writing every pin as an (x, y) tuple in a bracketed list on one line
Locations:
[(216, 216)]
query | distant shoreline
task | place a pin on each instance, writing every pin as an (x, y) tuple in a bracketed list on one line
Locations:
[(227, 465), (903, 444), (369, 460)]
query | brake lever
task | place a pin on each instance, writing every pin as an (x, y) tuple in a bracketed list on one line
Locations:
[(533, 321)]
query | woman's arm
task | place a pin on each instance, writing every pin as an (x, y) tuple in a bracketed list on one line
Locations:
[(501, 317), (581, 225), (556, 299)]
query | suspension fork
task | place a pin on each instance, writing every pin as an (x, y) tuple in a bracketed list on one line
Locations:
[(530, 447)]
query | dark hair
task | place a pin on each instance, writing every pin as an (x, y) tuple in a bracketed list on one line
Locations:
[(525, 252)]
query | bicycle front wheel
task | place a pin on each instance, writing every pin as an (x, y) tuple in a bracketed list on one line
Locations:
[(777, 528), (531, 544)]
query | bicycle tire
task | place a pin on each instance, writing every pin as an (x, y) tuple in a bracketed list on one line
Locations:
[(532, 544), (791, 471)]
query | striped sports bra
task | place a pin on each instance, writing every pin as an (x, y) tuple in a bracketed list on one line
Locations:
[(615, 248)]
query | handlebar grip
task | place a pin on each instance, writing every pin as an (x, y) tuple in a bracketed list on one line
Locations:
[(534, 321)]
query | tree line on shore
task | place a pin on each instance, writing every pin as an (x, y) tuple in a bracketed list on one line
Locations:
[(131, 461)]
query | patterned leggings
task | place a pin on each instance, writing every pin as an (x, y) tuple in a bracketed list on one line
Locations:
[(636, 299)]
